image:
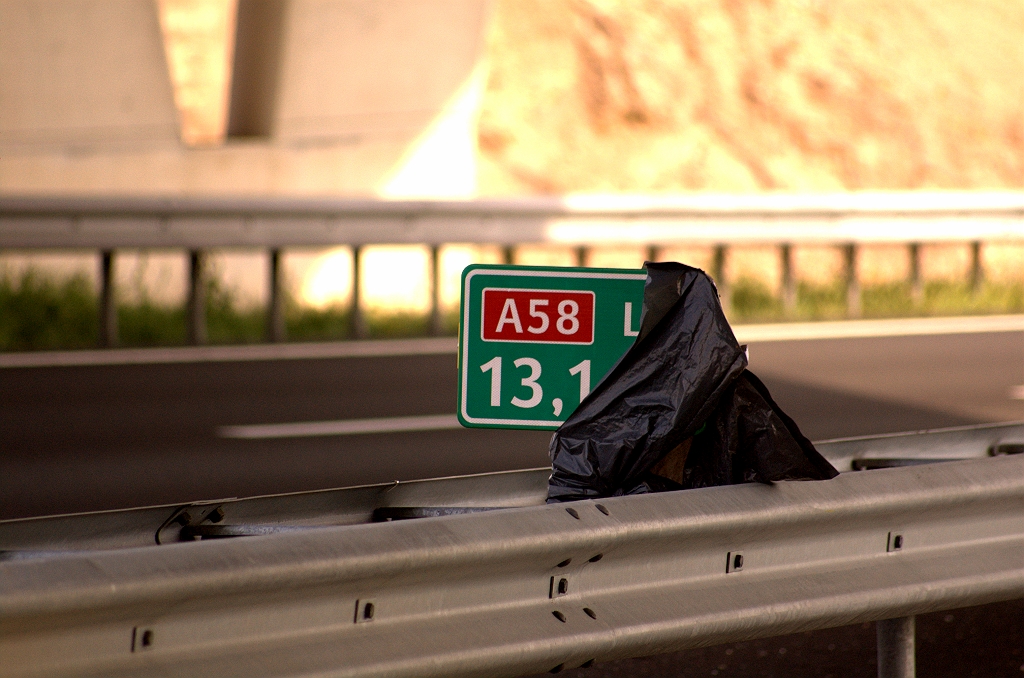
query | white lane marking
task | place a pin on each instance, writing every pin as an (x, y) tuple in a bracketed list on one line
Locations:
[(900, 327), (203, 354), (838, 329), (344, 427)]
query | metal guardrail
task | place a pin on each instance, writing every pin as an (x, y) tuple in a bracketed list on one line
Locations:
[(197, 224), (192, 223), (532, 589), (485, 593)]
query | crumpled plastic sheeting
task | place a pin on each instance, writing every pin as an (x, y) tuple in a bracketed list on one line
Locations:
[(684, 382)]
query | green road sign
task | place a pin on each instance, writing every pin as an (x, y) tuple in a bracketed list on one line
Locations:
[(535, 339)]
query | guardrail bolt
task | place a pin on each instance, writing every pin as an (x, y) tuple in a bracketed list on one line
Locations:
[(894, 542), (1005, 448), (558, 588), (142, 639), (364, 611)]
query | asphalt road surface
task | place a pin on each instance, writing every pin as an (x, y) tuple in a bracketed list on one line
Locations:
[(97, 437)]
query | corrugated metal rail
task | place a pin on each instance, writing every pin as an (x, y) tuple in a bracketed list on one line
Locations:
[(197, 224), (535, 588)]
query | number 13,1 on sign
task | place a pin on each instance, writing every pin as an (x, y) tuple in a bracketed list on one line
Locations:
[(536, 391), (535, 340)]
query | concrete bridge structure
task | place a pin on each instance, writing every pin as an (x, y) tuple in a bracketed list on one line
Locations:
[(340, 97)]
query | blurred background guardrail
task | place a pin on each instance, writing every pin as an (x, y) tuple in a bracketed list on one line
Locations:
[(846, 222)]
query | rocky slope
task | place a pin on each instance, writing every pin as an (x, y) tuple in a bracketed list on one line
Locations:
[(734, 95)]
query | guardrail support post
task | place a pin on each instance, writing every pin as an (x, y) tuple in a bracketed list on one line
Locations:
[(581, 257), (508, 255), (108, 300), (976, 275), (276, 330), (916, 286), (358, 321), (653, 253), (895, 639), (853, 298), (718, 275), (196, 307), (788, 279), (436, 319)]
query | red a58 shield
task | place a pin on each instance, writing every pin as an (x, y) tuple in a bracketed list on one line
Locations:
[(538, 316)]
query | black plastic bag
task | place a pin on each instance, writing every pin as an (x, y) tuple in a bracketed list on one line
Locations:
[(682, 393)]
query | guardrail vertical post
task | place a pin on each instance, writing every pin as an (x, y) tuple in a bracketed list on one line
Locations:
[(276, 330), (108, 300), (358, 327), (788, 279), (581, 256), (895, 639), (196, 307), (436, 320), (916, 286), (853, 296), (653, 253), (976, 275), (718, 274), (508, 255)]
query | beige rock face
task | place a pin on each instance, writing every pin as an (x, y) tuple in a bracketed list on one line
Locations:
[(723, 95)]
